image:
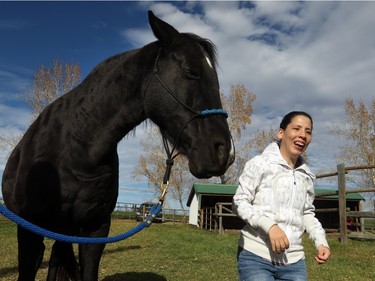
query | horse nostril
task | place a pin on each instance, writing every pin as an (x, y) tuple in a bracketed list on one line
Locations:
[(223, 155), (232, 153), (220, 152)]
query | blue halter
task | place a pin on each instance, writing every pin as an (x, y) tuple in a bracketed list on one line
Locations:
[(211, 112), (204, 113)]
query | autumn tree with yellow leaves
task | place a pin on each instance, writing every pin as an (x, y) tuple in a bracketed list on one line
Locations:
[(358, 131)]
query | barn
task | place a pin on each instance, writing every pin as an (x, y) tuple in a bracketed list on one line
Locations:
[(210, 208), (204, 199), (327, 210)]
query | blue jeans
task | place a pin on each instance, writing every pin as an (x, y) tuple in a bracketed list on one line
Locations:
[(254, 268)]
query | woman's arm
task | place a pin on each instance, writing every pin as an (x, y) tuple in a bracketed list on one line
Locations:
[(249, 182)]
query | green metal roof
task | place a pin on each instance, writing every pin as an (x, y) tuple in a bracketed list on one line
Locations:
[(349, 196), (211, 188), (230, 189), (215, 188)]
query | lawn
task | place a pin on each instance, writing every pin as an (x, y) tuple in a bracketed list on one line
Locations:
[(180, 252)]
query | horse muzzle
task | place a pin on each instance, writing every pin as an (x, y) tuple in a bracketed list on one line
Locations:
[(211, 162)]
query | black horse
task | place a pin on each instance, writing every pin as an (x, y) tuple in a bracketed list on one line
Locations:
[(63, 174)]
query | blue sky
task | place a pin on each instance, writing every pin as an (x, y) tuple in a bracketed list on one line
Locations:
[(35, 33), (292, 55)]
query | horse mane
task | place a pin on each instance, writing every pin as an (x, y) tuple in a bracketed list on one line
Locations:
[(207, 45)]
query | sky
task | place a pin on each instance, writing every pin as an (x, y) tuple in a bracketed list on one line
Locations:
[(308, 55)]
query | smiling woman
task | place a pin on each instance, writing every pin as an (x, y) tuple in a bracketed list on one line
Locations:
[(294, 136), (275, 197)]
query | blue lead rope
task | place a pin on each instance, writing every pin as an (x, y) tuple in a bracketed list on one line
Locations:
[(155, 210)]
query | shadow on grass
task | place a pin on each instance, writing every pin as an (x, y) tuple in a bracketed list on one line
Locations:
[(8, 271), (135, 276), (129, 276), (121, 249), (132, 276), (14, 270)]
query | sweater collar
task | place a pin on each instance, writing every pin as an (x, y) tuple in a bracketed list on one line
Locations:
[(273, 152)]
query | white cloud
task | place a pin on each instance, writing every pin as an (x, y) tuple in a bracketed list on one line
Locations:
[(306, 55), (322, 53), (137, 37)]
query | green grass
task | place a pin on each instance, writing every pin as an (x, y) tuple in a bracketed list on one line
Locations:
[(369, 224), (180, 252)]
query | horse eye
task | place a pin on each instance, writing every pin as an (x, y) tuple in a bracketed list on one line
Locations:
[(189, 74)]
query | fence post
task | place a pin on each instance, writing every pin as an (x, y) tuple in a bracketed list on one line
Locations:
[(221, 228), (200, 218), (342, 203), (216, 218)]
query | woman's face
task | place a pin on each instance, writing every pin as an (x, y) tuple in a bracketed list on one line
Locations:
[(295, 138)]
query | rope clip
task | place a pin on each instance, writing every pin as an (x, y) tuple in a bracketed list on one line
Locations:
[(164, 190)]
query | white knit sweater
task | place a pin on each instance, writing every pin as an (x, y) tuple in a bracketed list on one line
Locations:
[(271, 192)]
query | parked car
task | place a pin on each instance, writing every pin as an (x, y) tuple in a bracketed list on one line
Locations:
[(144, 209)]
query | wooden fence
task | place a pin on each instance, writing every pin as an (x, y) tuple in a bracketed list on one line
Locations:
[(212, 218), (206, 219), (128, 211), (341, 192), (222, 210)]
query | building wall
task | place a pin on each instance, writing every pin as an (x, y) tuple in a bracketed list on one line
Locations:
[(193, 211)]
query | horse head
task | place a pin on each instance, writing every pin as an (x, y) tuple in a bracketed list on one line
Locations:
[(185, 83)]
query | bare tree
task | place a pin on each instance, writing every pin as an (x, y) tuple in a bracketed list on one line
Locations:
[(359, 133), (259, 141), (49, 83), (152, 165), (9, 141)]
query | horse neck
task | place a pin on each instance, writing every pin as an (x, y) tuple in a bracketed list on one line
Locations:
[(114, 105)]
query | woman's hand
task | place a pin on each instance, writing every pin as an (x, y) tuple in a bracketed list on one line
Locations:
[(323, 254), (279, 241)]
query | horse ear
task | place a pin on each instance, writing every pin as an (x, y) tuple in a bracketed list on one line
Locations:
[(162, 30)]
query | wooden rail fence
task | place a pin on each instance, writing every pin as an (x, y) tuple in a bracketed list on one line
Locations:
[(341, 192), (211, 218)]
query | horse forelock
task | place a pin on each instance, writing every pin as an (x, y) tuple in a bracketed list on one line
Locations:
[(206, 44)]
